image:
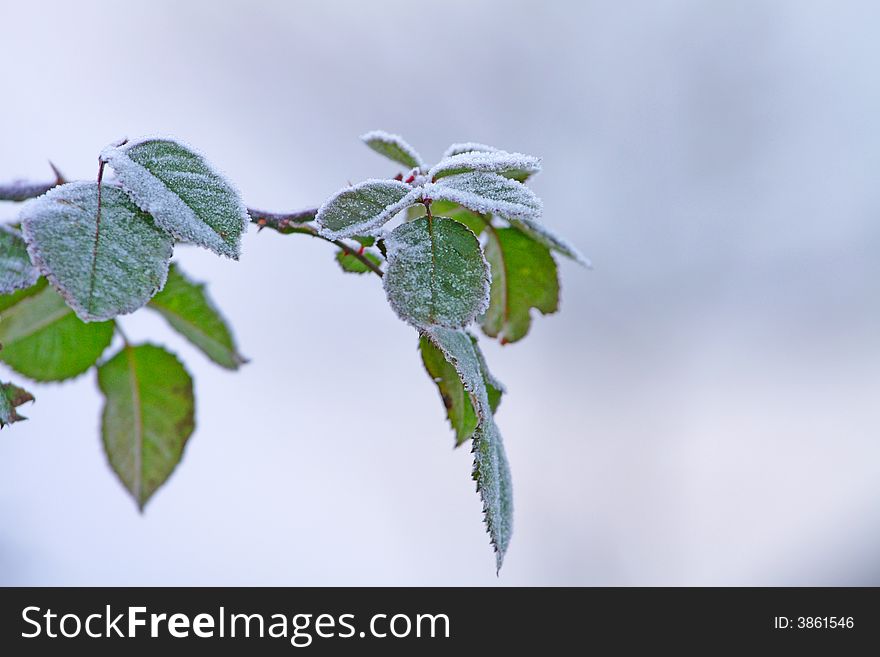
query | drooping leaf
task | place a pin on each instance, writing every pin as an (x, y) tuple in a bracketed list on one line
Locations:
[(364, 207), (491, 471), (148, 416), (184, 194), (499, 162), (548, 238), (16, 270), (492, 474), (393, 147), (352, 265), (487, 193), (523, 277), (436, 274), (11, 396), (191, 312), (104, 264), (44, 340), (459, 406)]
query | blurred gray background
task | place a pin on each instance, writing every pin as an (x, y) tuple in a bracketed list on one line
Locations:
[(704, 410)]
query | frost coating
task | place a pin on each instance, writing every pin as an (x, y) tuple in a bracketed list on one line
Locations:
[(468, 147), (394, 147), (103, 265), (437, 274), (16, 270), (361, 209), (488, 193), (491, 470), (11, 396), (500, 162), (185, 195), (551, 240)]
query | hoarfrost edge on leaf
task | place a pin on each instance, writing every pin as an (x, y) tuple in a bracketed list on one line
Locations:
[(500, 162), (363, 208), (16, 270), (437, 274), (105, 264), (394, 147), (488, 193), (185, 195)]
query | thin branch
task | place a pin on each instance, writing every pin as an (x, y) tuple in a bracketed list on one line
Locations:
[(284, 223)]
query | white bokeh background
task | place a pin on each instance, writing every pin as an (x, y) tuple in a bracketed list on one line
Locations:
[(704, 410)]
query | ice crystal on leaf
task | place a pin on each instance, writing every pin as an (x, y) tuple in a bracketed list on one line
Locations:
[(184, 194), (16, 270), (500, 162), (437, 274), (488, 193), (103, 263), (363, 208), (394, 148)]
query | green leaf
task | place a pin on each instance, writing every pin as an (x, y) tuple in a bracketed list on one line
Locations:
[(487, 193), (16, 270), (545, 236), (393, 147), (190, 311), (459, 407), (44, 340), (491, 470), (148, 416), (102, 264), (352, 265), (499, 162), (183, 193), (436, 274), (523, 277), (364, 207), (364, 240), (11, 396)]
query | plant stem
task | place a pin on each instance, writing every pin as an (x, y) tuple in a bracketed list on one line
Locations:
[(284, 223)]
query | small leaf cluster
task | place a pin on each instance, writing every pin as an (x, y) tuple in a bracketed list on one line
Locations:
[(457, 243), (87, 252), (471, 248)]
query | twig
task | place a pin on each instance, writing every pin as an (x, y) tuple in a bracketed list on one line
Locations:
[(284, 223)]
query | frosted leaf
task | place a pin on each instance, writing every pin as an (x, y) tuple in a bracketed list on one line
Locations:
[(394, 148), (468, 147), (456, 400), (11, 396), (436, 274), (551, 240), (16, 270), (148, 416), (191, 312), (500, 162), (487, 193), (364, 207), (494, 483), (182, 192), (103, 265), (491, 470)]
